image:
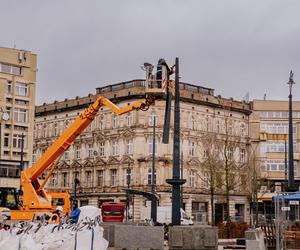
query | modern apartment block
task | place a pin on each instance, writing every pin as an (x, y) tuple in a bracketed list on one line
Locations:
[(269, 142), (17, 104), (114, 147)]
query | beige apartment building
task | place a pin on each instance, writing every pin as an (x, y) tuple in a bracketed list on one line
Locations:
[(268, 131), (17, 104), (113, 147)]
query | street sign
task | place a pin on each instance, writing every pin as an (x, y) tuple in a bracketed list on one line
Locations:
[(294, 202), (285, 208)]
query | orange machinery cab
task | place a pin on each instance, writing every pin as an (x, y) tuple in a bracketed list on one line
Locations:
[(113, 211), (60, 199)]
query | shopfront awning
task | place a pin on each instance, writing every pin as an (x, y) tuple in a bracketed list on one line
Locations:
[(265, 196)]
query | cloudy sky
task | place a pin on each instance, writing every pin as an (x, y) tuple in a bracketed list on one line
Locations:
[(233, 46)]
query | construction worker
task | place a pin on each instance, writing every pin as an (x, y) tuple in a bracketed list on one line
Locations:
[(56, 216), (163, 72)]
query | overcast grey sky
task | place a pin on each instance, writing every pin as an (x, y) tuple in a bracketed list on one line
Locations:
[(233, 46)]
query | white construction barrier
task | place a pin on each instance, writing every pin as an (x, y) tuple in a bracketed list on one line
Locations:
[(86, 234)]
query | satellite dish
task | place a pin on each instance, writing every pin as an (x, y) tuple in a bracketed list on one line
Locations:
[(5, 116)]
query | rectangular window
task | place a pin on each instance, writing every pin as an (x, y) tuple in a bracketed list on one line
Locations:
[(100, 181), (230, 128), (217, 126), (205, 180), (33, 156), (150, 146), (230, 154), (205, 153), (6, 68), (151, 118), (192, 123), (192, 178), (20, 115), (242, 155), (21, 102), (129, 147), (16, 70), (192, 147), (113, 176), (77, 152), (115, 121), (17, 141), (102, 149), (55, 129), (101, 122), (206, 124), (90, 151), (150, 176), (9, 87), (67, 155), (88, 178), (21, 89), (115, 148), (64, 181), (127, 176), (243, 129), (6, 140), (76, 176), (129, 119), (53, 181)]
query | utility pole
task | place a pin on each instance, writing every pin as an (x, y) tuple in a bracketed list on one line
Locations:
[(291, 179), (176, 182), (128, 172), (153, 179)]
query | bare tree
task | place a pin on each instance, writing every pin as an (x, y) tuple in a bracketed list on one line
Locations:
[(224, 168), (254, 174), (209, 169)]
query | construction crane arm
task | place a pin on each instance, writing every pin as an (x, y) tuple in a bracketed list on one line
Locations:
[(29, 177)]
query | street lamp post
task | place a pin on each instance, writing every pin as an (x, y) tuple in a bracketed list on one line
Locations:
[(291, 180), (128, 171), (153, 179), (285, 166), (176, 181)]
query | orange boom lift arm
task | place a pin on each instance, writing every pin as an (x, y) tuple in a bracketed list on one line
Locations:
[(35, 198)]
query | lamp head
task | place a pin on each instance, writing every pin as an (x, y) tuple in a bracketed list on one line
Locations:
[(291, 80)]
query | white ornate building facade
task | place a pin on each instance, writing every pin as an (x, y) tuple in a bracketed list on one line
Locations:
[(113, 147)]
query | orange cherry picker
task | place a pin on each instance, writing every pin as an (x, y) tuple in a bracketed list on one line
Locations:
[(36, 200)]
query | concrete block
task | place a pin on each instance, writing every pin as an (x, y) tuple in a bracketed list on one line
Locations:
[(109, 230), (255, 239), (193, 237), (138, 237)]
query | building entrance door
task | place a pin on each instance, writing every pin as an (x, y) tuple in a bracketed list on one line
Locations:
[(219, 210)]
